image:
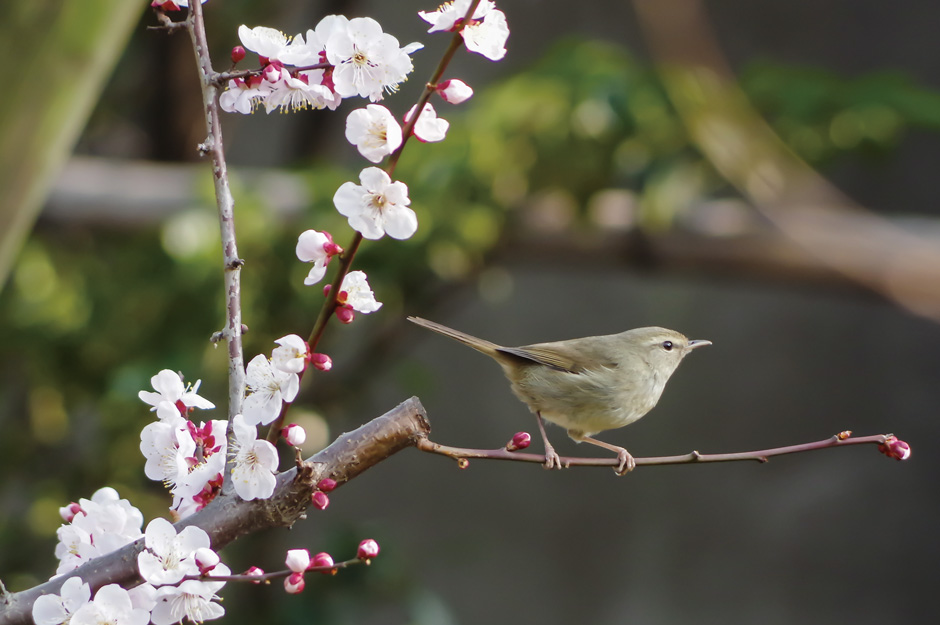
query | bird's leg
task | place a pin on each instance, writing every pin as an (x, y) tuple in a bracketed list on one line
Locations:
[(552, 459), (627, 463)]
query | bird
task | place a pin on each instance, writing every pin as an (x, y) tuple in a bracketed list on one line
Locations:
[(587, 385)]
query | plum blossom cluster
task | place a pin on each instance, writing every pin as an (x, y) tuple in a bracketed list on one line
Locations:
[(340, 58), (378, 205), (484, 33), (95, 527), (169, 565), (190, 458)]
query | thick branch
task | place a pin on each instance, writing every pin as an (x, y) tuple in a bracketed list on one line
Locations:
[(229, 517)]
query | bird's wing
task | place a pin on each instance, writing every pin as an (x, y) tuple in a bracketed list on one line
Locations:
[(552, 355)]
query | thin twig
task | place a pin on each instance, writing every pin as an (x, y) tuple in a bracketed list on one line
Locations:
[(462, 455), (226, 204)]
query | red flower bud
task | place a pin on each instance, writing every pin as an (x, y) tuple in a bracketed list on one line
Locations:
[(894, 448), (323, 559), (326, 484), (520, 440), (319, 500), (322, 362), (238, 53), (345, 314), (368, 549), (294, 583), (254, 572)]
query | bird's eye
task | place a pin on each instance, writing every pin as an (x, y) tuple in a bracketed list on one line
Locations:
[(667, 345)]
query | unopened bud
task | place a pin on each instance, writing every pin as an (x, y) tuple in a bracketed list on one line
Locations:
[(206, 559), (454, 91), (894, 448), (255, 572), (68, 512), (321, 362), (321, 560), (326, 484), (238, 53), (272, 73), (319, 500), (294, 435), (368, 549), (520, 440), (462, 463), (294, 583), (345, 314), (844, 435), (298, 560)]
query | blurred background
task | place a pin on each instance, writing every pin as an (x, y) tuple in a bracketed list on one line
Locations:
[(758, 174)]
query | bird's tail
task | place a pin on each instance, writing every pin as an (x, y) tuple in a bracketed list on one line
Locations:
[(481, 345)]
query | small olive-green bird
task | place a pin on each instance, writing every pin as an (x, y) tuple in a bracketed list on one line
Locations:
[(587, 385)]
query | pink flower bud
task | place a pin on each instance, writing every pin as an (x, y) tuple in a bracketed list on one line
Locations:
[(326, 484), (294, 435), (298, 560), (520, 440), (206, 559), (894, 448), (294, 583), (238, 53), (368, 549), (68, 512), (345, 314), (319, 500), (322, 362), (323, 559), (254, 572), (326, 289), (272, 73), (454, 91)]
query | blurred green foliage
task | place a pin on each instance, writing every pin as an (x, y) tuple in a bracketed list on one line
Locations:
[(92, 312)]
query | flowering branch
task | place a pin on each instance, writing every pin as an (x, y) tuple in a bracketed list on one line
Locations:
[(229, 517), (332, 301), (887, 444)]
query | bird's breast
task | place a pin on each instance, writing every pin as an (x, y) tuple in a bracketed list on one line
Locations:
[(588, 402)]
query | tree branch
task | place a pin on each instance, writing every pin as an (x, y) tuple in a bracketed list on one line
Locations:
[(228, 517), (463, 455)]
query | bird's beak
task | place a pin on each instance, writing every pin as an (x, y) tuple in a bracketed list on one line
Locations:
[(698, 343)]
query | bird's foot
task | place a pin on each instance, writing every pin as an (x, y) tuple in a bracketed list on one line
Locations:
[(627, 463), (552, 459)]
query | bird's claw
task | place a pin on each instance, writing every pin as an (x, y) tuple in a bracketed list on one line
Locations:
[(627, 463), (552, 459)]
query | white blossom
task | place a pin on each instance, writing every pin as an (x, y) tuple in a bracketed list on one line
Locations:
[(55, 609), (378, 206), (169, 557), (358, 295), (269, 388), (429, 128), (374, 131), (171, 394), (111, 606), (255, 464), (193, 599), (291, 354), (367, 62)]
